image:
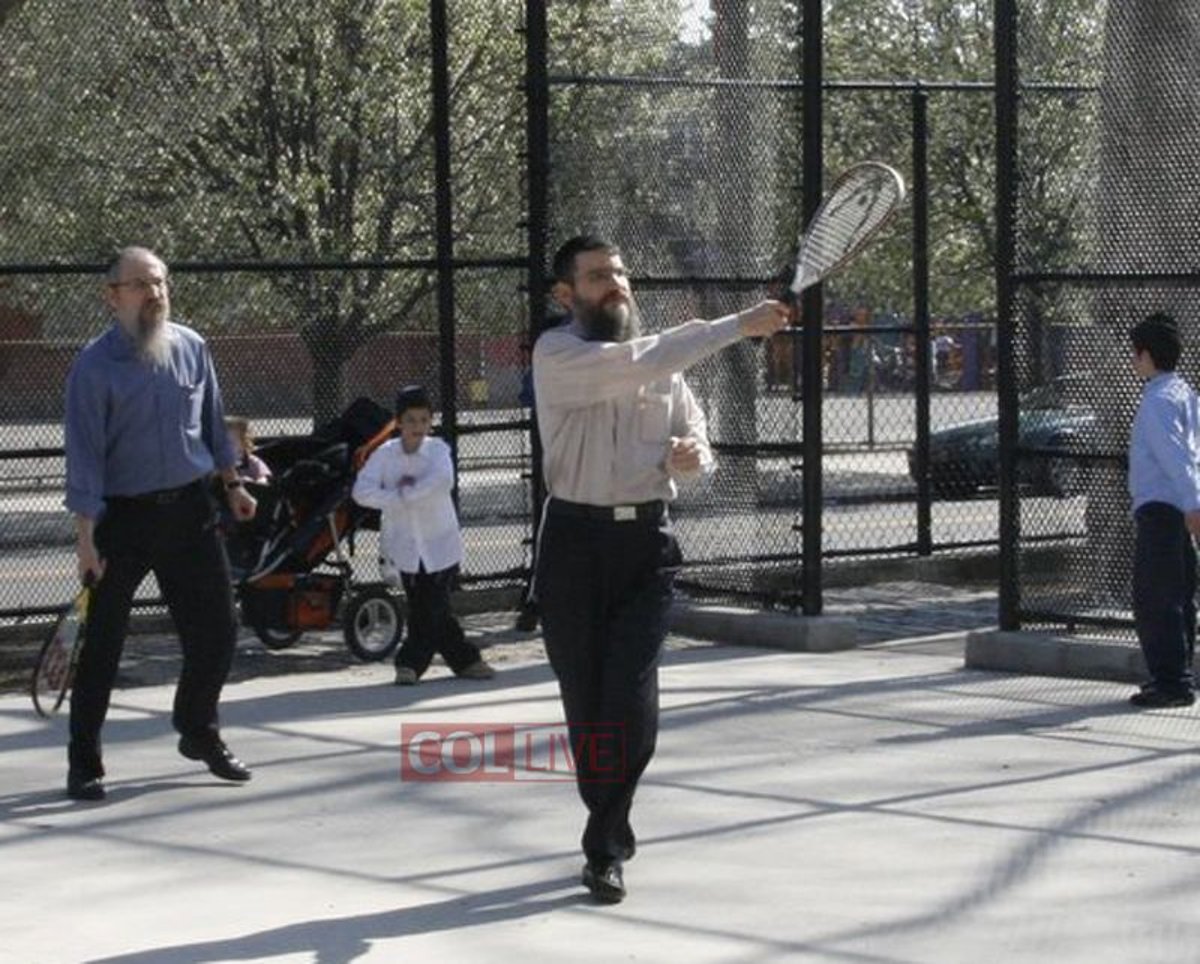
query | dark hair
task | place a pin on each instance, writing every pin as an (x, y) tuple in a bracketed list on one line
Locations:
[(1159, 335), (412, 396), (563, 266)]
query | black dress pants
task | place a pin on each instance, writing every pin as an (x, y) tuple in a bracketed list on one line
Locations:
[(175, 536), (432, 627), (604, 587), (1164, 595)]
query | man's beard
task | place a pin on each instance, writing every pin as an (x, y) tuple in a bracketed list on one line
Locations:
[(153, 335), (612, 319)]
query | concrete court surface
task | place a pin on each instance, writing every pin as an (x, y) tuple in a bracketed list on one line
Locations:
[(872, 805)]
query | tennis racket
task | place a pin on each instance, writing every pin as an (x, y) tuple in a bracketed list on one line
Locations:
[(858, 205), (55, 667)]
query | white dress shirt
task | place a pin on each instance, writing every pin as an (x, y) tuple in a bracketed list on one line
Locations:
[(607, 410), (418, 525)]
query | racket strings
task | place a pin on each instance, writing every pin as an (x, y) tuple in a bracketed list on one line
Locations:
[(852, 213), (55, 667)]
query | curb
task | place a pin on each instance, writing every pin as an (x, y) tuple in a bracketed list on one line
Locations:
[(750, 627), (1044, 654), (945, 567)]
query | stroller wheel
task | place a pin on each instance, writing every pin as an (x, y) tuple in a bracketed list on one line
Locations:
[(274, 638), (372, 623)]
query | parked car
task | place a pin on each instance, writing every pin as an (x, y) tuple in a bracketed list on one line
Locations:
[(966, 457)]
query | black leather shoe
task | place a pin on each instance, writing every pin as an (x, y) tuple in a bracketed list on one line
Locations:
[(1149, 697), (80, 786), (605, 881), (216, 756)]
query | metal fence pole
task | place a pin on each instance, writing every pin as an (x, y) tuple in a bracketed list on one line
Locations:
[(920, 242), (869, 347), (1006, 381), (812, 310), (537, 106), (444, 227)]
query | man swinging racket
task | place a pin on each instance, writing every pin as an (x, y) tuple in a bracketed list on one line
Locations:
[(620, 428)]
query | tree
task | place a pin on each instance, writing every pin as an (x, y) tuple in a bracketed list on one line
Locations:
[(264, 129), (7, 8), (302, 132), (321, 150), (952, 41)]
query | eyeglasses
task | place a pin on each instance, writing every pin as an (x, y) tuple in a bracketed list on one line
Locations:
[(142, 285)]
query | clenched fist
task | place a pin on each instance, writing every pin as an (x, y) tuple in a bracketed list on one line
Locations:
[(764, 319), (684, 458)]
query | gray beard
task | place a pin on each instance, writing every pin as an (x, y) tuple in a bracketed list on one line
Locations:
[(154, 343), (609, 322)]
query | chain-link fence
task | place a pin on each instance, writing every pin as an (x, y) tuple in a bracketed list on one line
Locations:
[(1102, 130), (688, 153), (355, 197), (334, 228)]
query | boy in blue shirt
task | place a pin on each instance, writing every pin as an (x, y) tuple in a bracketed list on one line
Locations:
[(1164, 484)]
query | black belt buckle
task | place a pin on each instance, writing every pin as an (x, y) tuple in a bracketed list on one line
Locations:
[(165, 496), (652, 511)]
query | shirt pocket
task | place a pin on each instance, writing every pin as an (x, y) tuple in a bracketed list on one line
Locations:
[(653, 415), (191, 399)]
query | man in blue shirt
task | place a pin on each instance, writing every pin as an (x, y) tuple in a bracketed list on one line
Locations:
[(145, 430), (1164, 483)]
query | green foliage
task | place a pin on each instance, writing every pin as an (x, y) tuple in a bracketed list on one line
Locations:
[(940, 41), (269, 129)]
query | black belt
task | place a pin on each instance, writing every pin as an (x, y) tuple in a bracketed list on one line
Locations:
[(158, 496), (653, 511)]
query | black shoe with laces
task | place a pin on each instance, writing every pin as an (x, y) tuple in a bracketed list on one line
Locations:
[(84, 786), (605, 881), (216, 756)]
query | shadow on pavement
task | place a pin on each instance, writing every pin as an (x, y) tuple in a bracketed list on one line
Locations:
[(341, 940)]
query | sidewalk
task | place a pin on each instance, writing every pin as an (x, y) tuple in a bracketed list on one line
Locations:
[(35, 518), (873, 805)]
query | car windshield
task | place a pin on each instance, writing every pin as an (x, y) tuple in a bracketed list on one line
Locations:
[(1053, 394)]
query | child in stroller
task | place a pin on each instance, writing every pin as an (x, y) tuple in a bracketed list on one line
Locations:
[(289, 567)]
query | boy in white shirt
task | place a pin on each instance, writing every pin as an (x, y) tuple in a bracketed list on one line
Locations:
[(409, 479)]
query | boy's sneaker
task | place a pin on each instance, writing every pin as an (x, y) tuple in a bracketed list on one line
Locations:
[(477, 670), (406, 676)]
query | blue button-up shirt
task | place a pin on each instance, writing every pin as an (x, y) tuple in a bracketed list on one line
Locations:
[(133, 427), (1164, 445)]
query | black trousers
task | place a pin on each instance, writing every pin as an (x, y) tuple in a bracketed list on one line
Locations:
[(604, 588), (1164, 595), (177, 539), (432, 627)]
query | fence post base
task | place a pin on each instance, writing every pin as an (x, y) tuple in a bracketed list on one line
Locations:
[(751, 627), (1045, 654)]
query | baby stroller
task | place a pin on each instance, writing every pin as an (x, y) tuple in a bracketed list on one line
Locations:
[(289, 567)]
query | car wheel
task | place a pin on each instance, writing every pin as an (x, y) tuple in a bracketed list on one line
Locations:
[(1063, 478), (948, 483)]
